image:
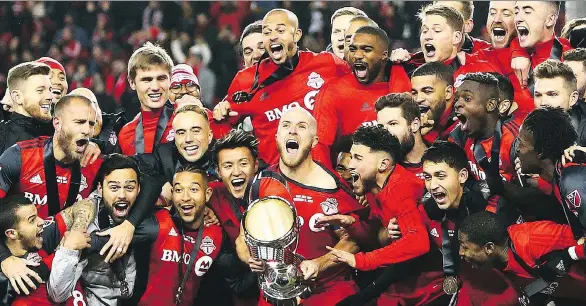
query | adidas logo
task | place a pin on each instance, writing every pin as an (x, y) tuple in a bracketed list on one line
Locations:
[(560, 266), (365, 107), (434, 232), (36, 179), (172, 232)]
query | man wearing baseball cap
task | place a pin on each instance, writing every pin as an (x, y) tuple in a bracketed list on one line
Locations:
[(58, 78)]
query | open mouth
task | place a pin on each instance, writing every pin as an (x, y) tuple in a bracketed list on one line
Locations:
[(523, 32), (429, 50), (463, 120), (292, 146), (81, 144), (277, 51), (499, 33), (155, 97), (191, 150), (187, 209), (341, 47), (46, 107), (439, 197), (121, 208), (56, 91), (354, 179), (238, 183), (424, 108), (361, 70)]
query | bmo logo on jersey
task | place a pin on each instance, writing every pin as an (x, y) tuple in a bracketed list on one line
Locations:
[(312, 222), (308, 103), (174, 256), (35, 198), (369, 123)]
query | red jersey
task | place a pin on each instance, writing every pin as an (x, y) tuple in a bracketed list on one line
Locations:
[(508, 153), (533, 240), (344, 104), (171, 251), (472, 63), (416, 169), (299, 88), (152, 133), (227, 209), (54, 228), (312, 203), (398, 199), (22, 171)]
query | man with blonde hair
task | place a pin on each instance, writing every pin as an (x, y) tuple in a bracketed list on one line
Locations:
[(149, 73)]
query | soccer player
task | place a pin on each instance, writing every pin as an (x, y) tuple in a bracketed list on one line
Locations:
[(576, 60), (344, 157), (555, 85), (354, 24), (32, 166), (543, 137), (482, 133), (525, 252), (29, 89), (316, 192), (296, 78), (118, 179), (28, 236), (466, 8), (251, 44), (432, 87), (58, 77), (501, 23), (535, 23), (236, 162), (397, 192), (340, 21), (193, 137), (183, 82), (181, 244), (450, 200), (149, 70), (348, 102), (400, 115)]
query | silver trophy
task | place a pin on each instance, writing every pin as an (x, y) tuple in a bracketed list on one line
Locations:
[(271, 232)]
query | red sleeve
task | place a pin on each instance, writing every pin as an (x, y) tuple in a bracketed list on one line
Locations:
[(480, 45), (517, 50), (399, 81), (61, 226), (326, 116), (126, 138), (413, 243), (535, 239), (342, 67)]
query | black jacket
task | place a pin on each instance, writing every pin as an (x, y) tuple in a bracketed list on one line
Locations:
[(578, 115), (20, 128)]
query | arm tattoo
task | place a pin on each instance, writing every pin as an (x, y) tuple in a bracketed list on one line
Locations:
[(84, 212), (67, 216)]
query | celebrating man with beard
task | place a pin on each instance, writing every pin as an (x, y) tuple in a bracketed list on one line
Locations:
[(347, 102), (288, 78), (316, 192), (400, 115)]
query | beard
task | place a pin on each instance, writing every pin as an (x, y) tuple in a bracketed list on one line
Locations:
[(438, 112), (302, 155), (66, 143), (35, 111), (407, 143)]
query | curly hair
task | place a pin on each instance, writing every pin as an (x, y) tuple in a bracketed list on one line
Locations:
[(552, 131), (378, 139)]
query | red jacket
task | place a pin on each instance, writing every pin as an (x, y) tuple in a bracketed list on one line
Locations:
[(313, 71), (533, 240), (22, 171), (398, 199), (344, 104)]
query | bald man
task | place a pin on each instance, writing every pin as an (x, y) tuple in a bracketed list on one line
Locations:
[(105, 132), (297, 77), (316, 192)]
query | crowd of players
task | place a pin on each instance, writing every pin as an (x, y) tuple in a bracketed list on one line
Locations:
[(452, 176)]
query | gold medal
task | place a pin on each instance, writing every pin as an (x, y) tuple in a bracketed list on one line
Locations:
[(450, 285)]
